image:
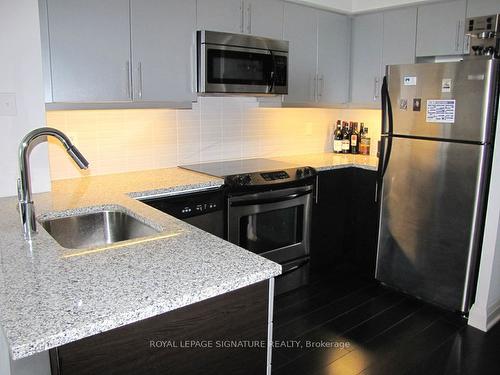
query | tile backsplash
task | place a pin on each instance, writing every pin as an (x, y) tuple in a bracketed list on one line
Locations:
[(116, 141)]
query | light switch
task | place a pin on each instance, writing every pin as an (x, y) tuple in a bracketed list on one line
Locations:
[(8, 104)]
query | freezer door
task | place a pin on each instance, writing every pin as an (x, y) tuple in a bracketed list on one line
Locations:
[(468, 87), (431, 210)]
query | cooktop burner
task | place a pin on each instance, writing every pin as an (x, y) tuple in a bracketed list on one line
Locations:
[(235, 167)]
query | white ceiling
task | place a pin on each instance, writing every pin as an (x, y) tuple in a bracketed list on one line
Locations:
[(357, 6)]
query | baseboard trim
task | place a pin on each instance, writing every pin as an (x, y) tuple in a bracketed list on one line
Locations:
[(484, 319), (493, 315)]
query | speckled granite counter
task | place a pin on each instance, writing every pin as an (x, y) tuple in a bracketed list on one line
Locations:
[(327, 161), (50, 296)]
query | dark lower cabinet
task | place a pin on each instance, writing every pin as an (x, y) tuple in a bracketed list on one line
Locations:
[(364, 221), (221, 335), (330, 222), (345, 221)]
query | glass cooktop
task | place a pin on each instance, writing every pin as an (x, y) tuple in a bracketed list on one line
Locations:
[(235, 167)]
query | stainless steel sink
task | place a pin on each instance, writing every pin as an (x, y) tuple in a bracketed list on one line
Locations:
[(96, 229)]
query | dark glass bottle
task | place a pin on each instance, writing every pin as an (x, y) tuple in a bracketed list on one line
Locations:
[(354, 136), (346, 139), (337, 138)]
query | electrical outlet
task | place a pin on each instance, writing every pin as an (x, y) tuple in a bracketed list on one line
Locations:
[(8, 104)]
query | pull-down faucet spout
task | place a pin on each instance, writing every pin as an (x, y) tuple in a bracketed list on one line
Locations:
[(26, 206)]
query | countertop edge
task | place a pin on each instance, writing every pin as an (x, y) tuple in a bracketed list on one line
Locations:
[(108, 324)]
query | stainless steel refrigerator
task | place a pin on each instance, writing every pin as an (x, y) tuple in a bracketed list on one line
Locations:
[(438, 129)]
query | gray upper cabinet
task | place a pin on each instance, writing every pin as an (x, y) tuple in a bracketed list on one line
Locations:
[(256, 17), (44, 38), (163, 49), (400, 28), (380, 39), (90, 50), (220, 15), (300, 29), (319, 56), (264, 18), (334, 35), (440, 29), (478, 8), (366, 58)]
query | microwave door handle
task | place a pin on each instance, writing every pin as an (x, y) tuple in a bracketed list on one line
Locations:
[(269, 200)]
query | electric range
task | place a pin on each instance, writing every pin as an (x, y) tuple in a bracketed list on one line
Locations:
[(268, 211)]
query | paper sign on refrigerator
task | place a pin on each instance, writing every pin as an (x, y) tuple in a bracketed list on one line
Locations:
[(441, 111)]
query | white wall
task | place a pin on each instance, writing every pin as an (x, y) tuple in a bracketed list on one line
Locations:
[(476, 8), (357, 6), (486, 310), (368, 5), (343, 6), (21, 73)]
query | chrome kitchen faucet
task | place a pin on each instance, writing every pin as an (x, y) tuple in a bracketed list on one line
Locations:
[(26, 206)]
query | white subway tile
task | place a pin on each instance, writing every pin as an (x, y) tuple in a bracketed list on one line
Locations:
[(215, 129)]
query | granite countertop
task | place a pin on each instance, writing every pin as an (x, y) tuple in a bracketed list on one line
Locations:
[(50, 296), (327, 161)]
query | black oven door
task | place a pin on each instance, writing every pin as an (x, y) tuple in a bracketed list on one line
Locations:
[(273, 224), (230, 69)]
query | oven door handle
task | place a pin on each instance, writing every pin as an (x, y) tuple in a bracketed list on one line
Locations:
[(269, 200), (295, 268)]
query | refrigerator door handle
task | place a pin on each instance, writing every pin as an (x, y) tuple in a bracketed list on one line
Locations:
[(387, 118), (387, 122)]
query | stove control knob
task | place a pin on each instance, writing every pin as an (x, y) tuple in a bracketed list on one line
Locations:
[(299, 173), (246, 179)]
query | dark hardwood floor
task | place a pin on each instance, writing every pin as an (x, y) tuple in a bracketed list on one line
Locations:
[(374, 330)]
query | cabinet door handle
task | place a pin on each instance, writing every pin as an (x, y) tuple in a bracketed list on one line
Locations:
[(316, 195), (376, 89), (457, 39), (242, 21), (321, 83), (467, 44), (249, 20), (140, 80), (129, 80), (315, 88)]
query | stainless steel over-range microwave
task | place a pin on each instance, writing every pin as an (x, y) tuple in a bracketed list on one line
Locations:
[(241, 64)]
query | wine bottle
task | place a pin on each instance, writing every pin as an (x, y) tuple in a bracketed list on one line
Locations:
[(346, 136), (354, 137), (337, 138)]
